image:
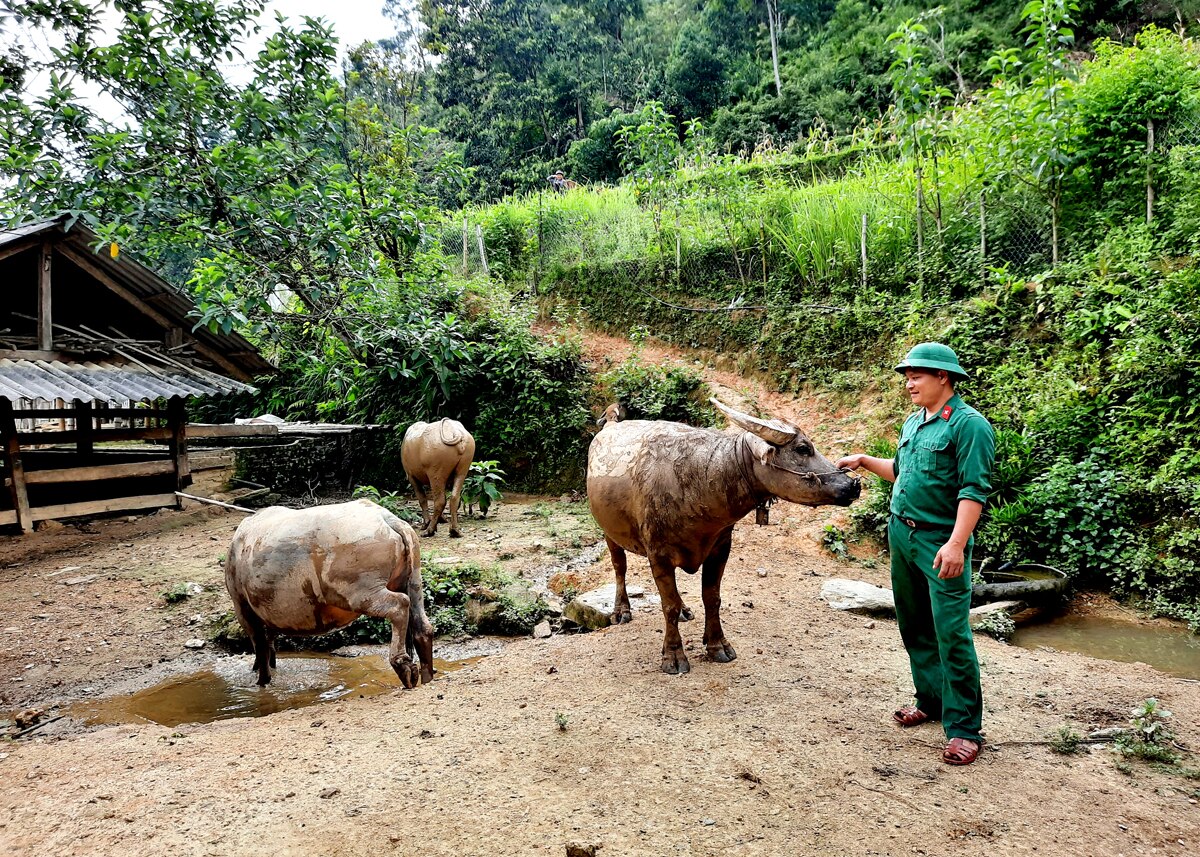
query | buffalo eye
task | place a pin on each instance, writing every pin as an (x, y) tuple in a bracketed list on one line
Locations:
[(804, 448)]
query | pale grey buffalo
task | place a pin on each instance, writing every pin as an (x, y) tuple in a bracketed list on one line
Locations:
[(308, 571), (672, 493), (436, 458)]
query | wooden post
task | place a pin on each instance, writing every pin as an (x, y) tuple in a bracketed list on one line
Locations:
[(177, 421), (464, 246), (45, 332), (1149, 172), (863, 243), (482, 249), (85, 427), (982, 240), (16, 471)]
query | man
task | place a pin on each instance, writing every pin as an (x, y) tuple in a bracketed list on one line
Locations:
[(942, 471)]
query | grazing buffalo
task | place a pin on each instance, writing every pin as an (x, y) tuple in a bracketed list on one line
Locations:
[(308, 571), (437, 455), (672, 493), (614, 413)]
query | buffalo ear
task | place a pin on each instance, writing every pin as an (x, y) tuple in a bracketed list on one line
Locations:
[(759, 448)]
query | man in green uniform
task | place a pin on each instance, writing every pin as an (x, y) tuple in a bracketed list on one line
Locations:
[(942, 471)]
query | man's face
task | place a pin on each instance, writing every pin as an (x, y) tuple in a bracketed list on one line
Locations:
[(926, 387)]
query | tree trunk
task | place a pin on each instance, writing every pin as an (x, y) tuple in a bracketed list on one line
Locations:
[(773, 26), (920, 229), (1149, 173)]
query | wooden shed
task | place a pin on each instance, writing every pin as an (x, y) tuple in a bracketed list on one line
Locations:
[(97, 360)]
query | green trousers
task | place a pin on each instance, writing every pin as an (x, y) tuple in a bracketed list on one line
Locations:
[(934, 624)]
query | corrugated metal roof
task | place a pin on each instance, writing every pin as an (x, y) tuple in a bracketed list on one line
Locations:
[(108, 381)]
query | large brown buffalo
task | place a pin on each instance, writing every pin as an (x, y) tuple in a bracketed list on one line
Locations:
[(437, 456), (308, 571), (672, 493)]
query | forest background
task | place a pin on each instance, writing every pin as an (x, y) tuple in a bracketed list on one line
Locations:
[(813, 186)]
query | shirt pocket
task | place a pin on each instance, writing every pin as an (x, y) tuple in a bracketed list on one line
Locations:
[(935, 457)]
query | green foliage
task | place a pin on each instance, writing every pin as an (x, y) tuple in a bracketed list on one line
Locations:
[(998, 625), (482, 486), (833, 539), (649, 392), (1066, 742), (390, 500), (870, 516), (177, 593), (561, 720)]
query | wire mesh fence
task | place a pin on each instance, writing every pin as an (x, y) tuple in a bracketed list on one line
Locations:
[(722, 247)]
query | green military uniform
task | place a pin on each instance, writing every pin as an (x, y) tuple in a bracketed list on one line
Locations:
[(941, 458)]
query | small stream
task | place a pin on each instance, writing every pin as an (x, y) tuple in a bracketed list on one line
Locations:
[(227, 689), (1170, 649)]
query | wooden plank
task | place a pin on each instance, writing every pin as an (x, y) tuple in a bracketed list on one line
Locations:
[(16, 471), (98, 436), (45, 329), (19, 247), (7, 516), (100, 413), (94, 473), (93, 268), (96, 507), (197, 430), (31, 354)]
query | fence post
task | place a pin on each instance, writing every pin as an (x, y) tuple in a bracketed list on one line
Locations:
[(862, 240), (464, 245), (982, 240), (1149, 174), (482, 251)]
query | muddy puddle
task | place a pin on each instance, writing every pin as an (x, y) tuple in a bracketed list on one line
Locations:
[(227, 689), (1171, 649)]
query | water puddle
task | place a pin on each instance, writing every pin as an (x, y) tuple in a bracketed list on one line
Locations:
[(227, 690), (1172, 650)]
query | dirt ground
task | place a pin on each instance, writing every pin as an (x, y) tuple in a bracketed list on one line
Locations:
[(575, 739)]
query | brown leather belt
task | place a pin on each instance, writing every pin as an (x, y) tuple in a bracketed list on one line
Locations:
[(920, 525)]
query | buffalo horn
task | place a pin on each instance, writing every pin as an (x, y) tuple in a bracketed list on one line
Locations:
[(772, 431)]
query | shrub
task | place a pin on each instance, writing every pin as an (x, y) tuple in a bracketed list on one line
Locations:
[(676, 393), (482, 486)]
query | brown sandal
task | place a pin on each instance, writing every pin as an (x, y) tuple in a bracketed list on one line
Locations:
[(910, 715), (960, 752)]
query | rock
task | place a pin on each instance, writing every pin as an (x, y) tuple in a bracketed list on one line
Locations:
[(762, 572), (193, 588), (593, 609), (46, 526), (869, 625), (542, 630), (980, 613), (28, 717), (445, 560), (575, 849), (857, 596), (483, 614), (329, 792), (194, 643), (1109, 734), (75, 581)]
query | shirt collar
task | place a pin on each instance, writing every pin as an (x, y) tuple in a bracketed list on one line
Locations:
[(954, 403)]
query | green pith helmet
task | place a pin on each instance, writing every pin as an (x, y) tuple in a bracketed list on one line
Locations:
[(933, 355)]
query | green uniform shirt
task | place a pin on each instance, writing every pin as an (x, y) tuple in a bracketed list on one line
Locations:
[(940, 460)]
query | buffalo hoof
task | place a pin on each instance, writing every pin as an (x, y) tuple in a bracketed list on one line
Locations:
[(722, 652), (621, 614), (455, 534), (428, 532), (675, 663), (686, 615), (408, 673)]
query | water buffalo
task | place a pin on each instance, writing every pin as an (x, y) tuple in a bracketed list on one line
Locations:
[(308, 571), (437, 455), (614, 413), (672, 493)]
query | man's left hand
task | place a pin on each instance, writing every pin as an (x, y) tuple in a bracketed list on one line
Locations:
[(949, 561)]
